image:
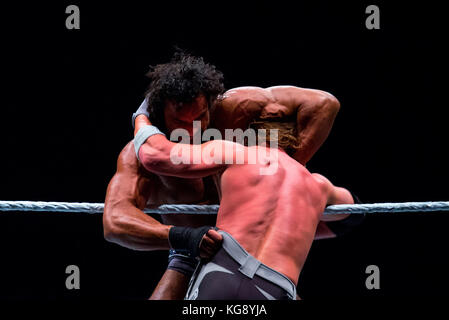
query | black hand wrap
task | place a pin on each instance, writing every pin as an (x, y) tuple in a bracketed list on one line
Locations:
[(342, 227), (187, 240)]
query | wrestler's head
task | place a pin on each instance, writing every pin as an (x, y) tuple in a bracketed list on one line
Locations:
[(287, 134), (181, 92)]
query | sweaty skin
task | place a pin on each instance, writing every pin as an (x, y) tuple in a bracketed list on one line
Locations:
[(127, 193), (313, 110), (274, 217), (124, 221)]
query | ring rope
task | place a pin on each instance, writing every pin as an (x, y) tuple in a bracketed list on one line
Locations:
[(85, 207)]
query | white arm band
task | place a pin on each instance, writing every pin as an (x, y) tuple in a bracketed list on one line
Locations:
[(142, 135)]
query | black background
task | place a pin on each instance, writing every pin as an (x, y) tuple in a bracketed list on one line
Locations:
[(68, 95)]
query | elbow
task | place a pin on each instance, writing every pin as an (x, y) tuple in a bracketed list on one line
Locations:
[(329, 102), (110, 234), (323, 104), (334, 105)]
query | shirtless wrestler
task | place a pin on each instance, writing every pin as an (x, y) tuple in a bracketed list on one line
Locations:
[(133, 188), (267, 221)]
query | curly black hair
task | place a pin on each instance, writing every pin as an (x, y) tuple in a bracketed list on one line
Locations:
[(182, 80)]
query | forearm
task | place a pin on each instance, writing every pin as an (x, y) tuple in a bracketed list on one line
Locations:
[(124, 221), (314, 122), (162, 157), (181, 160), (129, 227)]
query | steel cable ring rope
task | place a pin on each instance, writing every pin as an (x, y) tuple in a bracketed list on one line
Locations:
[(93, 208)]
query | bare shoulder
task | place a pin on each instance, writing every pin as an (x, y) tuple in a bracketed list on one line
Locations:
[(127, 161), (127, 156), (238, 106), (279, 93), (243, 90), (272, 92), (130, 184), (322, 182), (290, 89), (236, 95), (286, 94)]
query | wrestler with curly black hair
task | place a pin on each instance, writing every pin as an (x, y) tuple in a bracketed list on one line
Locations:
[(181, 81)]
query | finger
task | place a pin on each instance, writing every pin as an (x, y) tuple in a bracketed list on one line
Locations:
[(207, 241), (213, 234), (209, 246), (213, 247)]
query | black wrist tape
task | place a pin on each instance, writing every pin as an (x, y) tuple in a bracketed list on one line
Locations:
[(187, 240)]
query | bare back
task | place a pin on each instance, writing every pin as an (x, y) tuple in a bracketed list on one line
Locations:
[(274, 217)]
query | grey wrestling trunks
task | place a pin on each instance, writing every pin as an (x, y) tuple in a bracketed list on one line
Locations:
[(234, 274)]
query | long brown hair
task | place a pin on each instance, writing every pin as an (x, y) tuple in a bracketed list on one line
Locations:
[(287, 133)]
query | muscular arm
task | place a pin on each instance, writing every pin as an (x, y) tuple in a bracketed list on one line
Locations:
[(124, 221), (335, 195), (163, 157), (315, 114)]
